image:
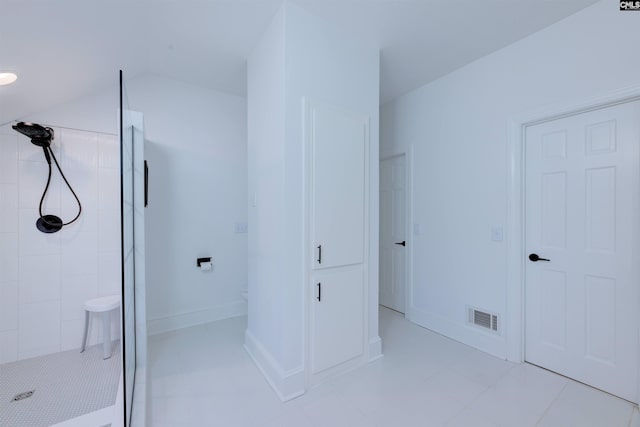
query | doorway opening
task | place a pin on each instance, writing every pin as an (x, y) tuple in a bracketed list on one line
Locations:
[(394, 239)]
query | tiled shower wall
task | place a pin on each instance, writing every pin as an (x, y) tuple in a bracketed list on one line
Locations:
[(45, 278)]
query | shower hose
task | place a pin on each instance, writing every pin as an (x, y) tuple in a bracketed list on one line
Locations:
[(48, 153)]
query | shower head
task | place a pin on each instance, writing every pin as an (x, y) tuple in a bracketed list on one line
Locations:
[(40, 135)]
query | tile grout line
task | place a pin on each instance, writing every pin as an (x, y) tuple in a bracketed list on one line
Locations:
[(474, 400), (634, 408), (546, 411)]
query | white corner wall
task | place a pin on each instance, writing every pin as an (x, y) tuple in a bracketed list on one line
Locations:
[(298, 56), (456, 131), (266, 333)]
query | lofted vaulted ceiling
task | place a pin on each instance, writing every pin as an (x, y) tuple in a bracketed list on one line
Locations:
[(66, 49)]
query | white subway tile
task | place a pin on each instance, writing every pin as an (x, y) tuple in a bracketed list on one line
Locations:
[(79, 257), (108, 151), (79, 150), (109, 274), (39, 279), (71, 334), (75, 291), (39, 328), (33, 241), (109, 189), (8, 159), (8, 346), (8, 257), (33, 180), (8, 208), (7, 130), (109, 233), (85, 185), (46, 278), (8, 306)]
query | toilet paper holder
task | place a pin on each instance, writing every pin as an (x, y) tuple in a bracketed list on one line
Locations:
[(199, 261)]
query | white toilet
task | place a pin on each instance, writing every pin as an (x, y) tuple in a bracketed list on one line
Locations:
[(106, 306)]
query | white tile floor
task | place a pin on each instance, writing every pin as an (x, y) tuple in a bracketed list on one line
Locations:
[(201, 376)]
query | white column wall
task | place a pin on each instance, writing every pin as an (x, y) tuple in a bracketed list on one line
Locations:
[(299, 56)]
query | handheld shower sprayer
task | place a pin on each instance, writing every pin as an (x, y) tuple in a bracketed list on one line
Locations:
[(42, 137)]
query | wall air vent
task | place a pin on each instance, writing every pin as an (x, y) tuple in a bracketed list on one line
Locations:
[(483, 319)]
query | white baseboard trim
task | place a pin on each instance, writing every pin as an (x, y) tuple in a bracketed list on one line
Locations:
[(193, 318), (287, 385), (375, 349), (490, 343)]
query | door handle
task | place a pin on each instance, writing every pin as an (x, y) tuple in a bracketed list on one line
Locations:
[(146, 184), (319, 297), (319, 254), (403, 243), (536, 258)]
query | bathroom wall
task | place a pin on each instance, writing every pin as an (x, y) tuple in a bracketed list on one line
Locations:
[(196, 145), (457, 131), (45, 278)]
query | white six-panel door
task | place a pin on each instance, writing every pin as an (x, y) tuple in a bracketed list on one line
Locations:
[(392, 232), (582, 186)]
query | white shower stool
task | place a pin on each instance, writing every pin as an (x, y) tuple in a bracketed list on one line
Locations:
[(104, 305)]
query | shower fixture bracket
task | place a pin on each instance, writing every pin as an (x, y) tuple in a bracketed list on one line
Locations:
[(49, 224), (42, 136)]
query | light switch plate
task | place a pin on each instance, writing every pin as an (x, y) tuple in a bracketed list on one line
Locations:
[(241, 227), (417, 229)]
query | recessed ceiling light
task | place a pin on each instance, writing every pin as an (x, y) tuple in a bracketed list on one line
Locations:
[(7, 78)]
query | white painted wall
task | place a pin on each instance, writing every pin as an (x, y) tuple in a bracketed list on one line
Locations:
[(267, 198), (197, 154), (299, 56), (46, 278), (456, 129)]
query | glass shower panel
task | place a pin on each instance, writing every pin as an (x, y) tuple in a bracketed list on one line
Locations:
[(127, 135)]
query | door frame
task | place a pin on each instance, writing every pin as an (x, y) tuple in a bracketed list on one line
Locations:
[(515, 330), (408, 225)]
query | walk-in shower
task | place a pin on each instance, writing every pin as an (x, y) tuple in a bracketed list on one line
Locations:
[(46, 279), (42, 137)]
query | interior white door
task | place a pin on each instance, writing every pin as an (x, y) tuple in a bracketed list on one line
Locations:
[(582, 185), (338, 141), (392, 232)]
